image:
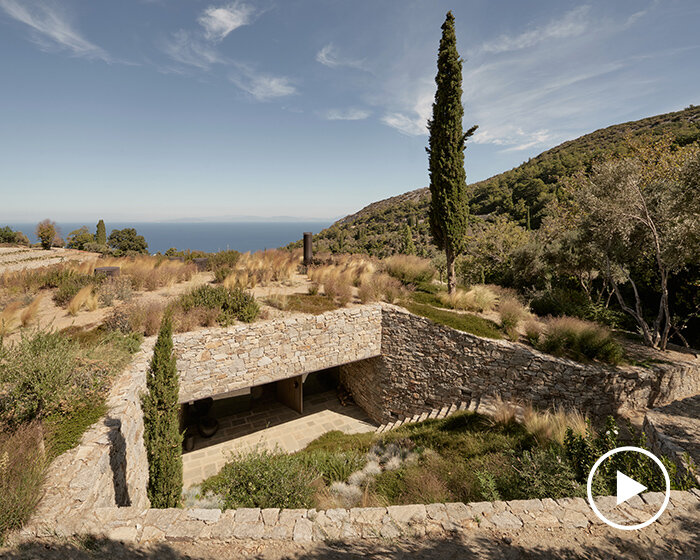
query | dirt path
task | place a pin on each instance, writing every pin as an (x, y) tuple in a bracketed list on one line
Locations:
[(675, 539)]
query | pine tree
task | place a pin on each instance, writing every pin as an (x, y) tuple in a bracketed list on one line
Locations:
[(449, 204), (101, 236), (162, 435), (407, 245)]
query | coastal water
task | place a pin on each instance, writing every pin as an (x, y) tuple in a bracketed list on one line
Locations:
[(202, 236)]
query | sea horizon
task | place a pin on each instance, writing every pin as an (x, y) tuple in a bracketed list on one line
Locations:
[(198, 236)]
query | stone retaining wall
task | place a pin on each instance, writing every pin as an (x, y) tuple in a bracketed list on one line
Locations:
[(674, 431), (424, 365), (414, 365), (109, 468), (216, 361), (305, 525)]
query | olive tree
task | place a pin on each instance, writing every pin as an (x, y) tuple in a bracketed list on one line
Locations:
[(642, 214)]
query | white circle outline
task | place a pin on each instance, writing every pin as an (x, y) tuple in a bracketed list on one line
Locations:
[(638, 525)]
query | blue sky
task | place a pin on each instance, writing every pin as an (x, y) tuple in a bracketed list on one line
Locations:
[(164, 109)]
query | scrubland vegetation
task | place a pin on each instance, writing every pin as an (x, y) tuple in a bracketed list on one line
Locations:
[(545, 229), (465, 457), (52, 388)]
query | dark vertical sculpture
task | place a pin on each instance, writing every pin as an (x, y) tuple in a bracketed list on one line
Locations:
[(308, 252)]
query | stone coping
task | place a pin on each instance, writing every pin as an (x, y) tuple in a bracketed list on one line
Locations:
[(136, 525)]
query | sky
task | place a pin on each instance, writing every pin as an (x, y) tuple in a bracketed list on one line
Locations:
[(151, 110)]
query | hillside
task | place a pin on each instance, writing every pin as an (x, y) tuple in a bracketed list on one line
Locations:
[(521, 193)]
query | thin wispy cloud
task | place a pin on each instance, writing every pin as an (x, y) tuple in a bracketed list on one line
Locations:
[(52, 30), (413, 122), (331, 57), (351, 114), (218, 22), (186, 49), (571, 24), (262, 87)]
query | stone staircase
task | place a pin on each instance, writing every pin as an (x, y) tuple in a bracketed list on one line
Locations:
[(482, 405)]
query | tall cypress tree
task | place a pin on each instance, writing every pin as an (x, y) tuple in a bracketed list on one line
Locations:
[(162, 435), (101, 236), (449, 203)]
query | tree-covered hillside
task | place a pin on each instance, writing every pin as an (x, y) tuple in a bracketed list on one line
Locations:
[(522, 193)]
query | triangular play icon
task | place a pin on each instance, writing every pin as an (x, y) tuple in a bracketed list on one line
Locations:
[(627, 487)]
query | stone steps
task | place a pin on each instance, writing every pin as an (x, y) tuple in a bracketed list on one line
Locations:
[(435, 413)]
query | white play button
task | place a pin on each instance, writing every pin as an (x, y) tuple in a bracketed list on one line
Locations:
[(627, 487)]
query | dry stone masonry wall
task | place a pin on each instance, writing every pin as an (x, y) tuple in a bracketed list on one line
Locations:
[(424, 365), (218, 361), (396, 365), (109, 468)]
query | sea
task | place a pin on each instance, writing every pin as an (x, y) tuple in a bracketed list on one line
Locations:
[(200, 236)]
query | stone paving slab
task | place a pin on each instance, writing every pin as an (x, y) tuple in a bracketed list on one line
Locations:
[(322, 413)]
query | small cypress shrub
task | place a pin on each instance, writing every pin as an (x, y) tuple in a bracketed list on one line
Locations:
[(101, 235), (162, 435)]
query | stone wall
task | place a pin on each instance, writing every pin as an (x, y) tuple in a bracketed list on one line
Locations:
[(216, 361), (418, 520), (424, 365), (397, 365), (109, 468)]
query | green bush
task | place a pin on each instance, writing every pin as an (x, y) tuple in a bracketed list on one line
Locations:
[(55, 373), (333, 466), (546, 473), (579, 339), (70, 284), (233, 304), (263, 479), (221, 273), (22, 468), (227, 259), (583, 450), (558, 302)]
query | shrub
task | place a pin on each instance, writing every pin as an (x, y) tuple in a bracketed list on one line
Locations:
[(22, 468), (409, 269), (511, 312), (263, 479), (41, 374), (333, 466), (232, 303), (546, 473), (115, 288), (533, 331), (582, 450), (223, 259), (144, 319), (47, 373), (221, 273), (278, 301), (580, 340), (344, 293), (69, 283), (161, 418)]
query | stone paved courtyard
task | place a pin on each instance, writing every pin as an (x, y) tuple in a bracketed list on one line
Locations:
[(269, 425)]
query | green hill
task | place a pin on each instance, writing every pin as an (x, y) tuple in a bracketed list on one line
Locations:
[(521, 193)]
